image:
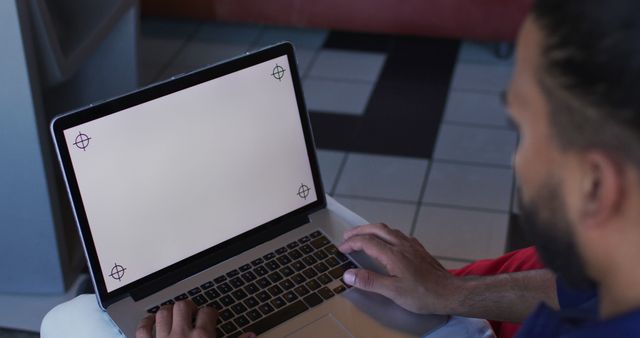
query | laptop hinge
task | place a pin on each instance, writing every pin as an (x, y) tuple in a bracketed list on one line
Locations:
[(201, 264)]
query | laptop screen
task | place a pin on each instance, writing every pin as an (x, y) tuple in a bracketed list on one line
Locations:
[(174, 176)]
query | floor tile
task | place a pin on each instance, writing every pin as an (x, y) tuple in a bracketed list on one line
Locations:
[(481, 77), (300, 38), (475, 108), (347, 65), (481, 52), (453, 265), (395, 215), (304, 58), (367, 42), (458, 233), (330, 162), (476, 145), (378, 176), (337, 97), (469, 186)]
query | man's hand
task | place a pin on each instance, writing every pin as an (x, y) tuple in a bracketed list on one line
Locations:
[(177, 321), (416, 281)]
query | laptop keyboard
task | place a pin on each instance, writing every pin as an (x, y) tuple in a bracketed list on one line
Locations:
[(274, 288)]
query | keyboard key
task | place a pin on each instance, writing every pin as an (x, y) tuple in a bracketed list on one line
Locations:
[(310, 273), (275, 290), (227, 300), (236, 282), (266, 308), (263, 282), (283, 260), (337, 272), (286, 284), (315, 234), (312, 300), (226, 314), (339, 289), (212, 294), (321, 267), (309, 260), (199, 300), (331, 250), (224, 288), (194, 291), (251, 288), (298, 266), (320, 255), (306, 249), (216, 305), (304, 239), (169, 302), (181, 297), (269, 256), (290, 296), (228, 327), (301, 290), (263, 296), (220, 279), (272, 265), (251, 302), (239, 308), (154, 309), (341, 257), (254, 314), (324, 279), (257, 262), (286, 271), (331, 261), (219, 332), (233, 273), (292, 245), (245, 268), (241, 321), (275, 277), (320, 242), (278, 302), (261, 270), (206, 286), (313, 285), (325, 292), (294, 254), (249, 276), (298, 278), (280, 251), (277, 318), (239, 294)]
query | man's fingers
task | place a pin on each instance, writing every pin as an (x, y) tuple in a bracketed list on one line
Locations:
[(206, 319), (183, 312), (370, 281), (381, 230), (145, 327), (372, 246), (164, 318)]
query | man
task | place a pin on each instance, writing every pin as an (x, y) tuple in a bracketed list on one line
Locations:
[(573, 97)]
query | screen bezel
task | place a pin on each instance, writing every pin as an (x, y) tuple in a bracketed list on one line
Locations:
[(222, 251)]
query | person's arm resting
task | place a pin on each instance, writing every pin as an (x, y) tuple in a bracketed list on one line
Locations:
[(419, 283)]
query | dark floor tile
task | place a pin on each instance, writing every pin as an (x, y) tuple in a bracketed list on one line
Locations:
[(366, 42), (334, 131)]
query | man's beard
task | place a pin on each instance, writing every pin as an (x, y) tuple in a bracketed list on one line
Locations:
[(546, 224)]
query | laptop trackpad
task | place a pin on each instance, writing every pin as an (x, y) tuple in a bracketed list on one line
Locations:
[(326, 326)]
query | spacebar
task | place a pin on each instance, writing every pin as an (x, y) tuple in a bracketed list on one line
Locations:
[(277, 318)]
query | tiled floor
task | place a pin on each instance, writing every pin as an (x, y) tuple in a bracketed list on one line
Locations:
[(411, 131)]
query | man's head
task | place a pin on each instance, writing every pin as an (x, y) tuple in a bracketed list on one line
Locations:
[(575, 97)]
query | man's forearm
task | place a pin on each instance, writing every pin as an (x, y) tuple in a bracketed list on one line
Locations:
[(507, 297)]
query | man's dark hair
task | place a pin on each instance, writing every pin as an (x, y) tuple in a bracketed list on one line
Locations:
[(590, 73)]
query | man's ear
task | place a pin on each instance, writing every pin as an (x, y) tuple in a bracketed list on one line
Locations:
[(603, 188)]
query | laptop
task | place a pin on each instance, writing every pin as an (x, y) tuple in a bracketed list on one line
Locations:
[(206, 187)]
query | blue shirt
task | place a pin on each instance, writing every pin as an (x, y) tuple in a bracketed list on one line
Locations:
[(578, 318)]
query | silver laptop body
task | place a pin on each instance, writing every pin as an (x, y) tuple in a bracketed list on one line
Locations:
[(207, 187)]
